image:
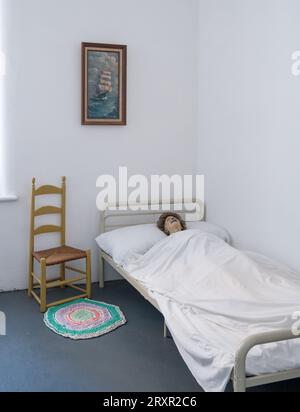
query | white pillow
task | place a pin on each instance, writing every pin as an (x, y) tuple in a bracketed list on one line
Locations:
[(124, 243), (210, 228)]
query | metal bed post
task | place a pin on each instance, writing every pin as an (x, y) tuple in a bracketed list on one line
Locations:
[(166, 331), (241, 381), (100, 259), (101, 271)]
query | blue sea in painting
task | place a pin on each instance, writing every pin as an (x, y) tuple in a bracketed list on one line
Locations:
[(103, 85), (106, 108)]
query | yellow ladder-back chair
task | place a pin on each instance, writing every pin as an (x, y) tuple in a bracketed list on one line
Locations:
[(55, 256)]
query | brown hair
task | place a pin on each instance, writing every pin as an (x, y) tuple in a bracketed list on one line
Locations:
[(162, 219)]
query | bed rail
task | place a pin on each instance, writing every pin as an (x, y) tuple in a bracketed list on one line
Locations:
[(241, 381), (148, 212)]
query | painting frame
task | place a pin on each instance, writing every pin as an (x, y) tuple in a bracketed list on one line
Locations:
[(118, 116)]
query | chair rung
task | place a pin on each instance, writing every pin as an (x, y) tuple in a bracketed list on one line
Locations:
[(77, 288), (48, 210), (63, 282), (47, 190), (47, 229), (59, 302), (36, 297), (75, 270), (36, 278)]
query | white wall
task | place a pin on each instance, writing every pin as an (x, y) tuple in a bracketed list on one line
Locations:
[(248, 122), (247, 113), (44, 136)]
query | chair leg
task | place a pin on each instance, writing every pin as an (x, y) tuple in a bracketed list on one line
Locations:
[(30, 277), (88, 274), (43, 285), (62, 273)]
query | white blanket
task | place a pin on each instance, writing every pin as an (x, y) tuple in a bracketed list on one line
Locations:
[(213, 296)]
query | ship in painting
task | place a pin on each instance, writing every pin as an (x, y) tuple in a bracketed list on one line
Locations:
[(104, 86)]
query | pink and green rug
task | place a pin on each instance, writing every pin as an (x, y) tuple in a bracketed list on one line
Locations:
[(84, 318)]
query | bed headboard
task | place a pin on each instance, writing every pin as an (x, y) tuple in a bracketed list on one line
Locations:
[(113, 218)]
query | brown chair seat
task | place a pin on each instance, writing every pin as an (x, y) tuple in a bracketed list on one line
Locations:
[(60, 254)]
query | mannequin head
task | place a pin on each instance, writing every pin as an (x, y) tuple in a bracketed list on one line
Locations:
[(170, 223)]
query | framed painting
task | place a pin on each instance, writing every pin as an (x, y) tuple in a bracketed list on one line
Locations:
[(104, 72)]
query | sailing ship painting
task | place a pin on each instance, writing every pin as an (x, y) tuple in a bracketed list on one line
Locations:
[(104, 87), (104, 84)]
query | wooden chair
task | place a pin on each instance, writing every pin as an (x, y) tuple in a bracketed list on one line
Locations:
[(55, 256)]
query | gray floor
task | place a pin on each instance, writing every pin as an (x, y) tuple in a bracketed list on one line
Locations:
[(134, 357)]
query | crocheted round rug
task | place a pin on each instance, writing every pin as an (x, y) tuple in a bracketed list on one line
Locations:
[(84, 318)]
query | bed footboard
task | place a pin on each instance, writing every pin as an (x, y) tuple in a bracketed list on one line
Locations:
[(241, 381)]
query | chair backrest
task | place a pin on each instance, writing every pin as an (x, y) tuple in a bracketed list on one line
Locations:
[(48, 210)]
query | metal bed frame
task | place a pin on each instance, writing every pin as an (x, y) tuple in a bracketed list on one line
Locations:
[(239, 378)]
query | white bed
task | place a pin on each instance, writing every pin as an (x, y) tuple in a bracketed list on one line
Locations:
[(218, 318)]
